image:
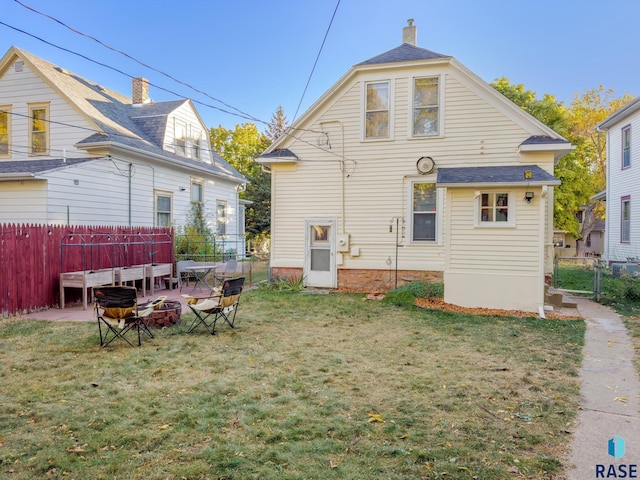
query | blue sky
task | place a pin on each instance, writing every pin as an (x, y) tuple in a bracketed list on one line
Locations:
[(256, 55)]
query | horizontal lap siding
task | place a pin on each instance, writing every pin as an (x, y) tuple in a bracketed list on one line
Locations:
[(378, 176), (505, 249)]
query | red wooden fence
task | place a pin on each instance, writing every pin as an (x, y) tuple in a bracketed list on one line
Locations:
[(33, 256)]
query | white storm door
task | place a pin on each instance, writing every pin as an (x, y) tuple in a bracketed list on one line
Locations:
[(320, 265)]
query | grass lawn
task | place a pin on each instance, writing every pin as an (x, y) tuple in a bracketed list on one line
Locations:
[(306, 387)]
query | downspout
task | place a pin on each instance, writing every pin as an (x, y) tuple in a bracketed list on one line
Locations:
[(130, 177), (542, 248)]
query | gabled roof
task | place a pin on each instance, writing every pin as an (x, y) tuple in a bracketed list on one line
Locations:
[(404, 53), (619, 115), (116, 120), (514, 175), (410, 55)]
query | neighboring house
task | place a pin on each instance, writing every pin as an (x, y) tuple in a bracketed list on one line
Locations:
[(412, 164), (622, 238), (74, 153), (565, 244)]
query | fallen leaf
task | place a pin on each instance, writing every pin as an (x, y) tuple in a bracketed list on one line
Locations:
[(374, 417), (164, 427), (620, 399), (332, 465), (76, 449)]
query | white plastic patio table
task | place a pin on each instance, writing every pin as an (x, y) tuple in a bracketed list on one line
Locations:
[(201, 272)]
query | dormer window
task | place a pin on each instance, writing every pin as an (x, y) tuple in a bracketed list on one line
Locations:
[(426, 107), (180, 140), (4, 131), (377, 110), (196, 139)]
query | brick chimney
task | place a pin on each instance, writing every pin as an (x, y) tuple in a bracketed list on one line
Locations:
[(410, 33), (139, 90)]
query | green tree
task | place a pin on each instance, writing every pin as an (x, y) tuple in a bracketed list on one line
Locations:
[(240, 147), (278, 126), (582, 171)]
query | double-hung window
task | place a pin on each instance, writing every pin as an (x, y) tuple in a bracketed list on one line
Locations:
[(180, 140), (426, 107), (626, 146), (377, 110), (196, 140), (625, 219), (197, 191), (424, 212), (221, 218), (163, 209), (5, 130), (39, 129), (495, 209)]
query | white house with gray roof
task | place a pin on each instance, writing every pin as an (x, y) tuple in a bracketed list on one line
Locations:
[(412, 167), (75, 153)]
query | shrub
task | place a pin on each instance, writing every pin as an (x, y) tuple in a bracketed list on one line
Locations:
[(406, 294)]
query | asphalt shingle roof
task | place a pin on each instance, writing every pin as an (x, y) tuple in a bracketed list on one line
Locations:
[(404, 53), (37, 166), (509, 174), (122, 123)]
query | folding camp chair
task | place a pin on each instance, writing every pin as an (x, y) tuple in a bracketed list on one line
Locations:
[(223, 305), (118, 313)]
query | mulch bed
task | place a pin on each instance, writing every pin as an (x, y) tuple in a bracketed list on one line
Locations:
[(439, 304)]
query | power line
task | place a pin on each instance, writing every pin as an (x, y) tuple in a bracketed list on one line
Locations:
[(74, 30), (129, 75), (314, 63)]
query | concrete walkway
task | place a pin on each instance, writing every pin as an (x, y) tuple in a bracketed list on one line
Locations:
[(610, 395)]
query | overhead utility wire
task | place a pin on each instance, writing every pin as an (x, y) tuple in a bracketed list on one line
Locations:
[(288, 132), (128, 75), (314, 63), (74, 30)]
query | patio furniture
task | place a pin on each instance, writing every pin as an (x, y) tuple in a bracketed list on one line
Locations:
[(223, 305), (182, 274), (118, 314), (229, 270), (202, 272)]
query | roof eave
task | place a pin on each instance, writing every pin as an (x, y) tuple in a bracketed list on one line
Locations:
[(552, 183), (15, 176), (115, 147)]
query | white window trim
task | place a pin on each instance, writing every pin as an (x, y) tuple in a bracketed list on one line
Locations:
[(439, 213), (177, 122), (510, 223), (162, 193), (7, 108), (226, 218), (30, 108), (626, 130), (200, 182), (195, 133), (440, 107), (363, 115)]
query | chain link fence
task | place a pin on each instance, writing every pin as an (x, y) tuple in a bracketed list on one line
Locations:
[(596, 278)]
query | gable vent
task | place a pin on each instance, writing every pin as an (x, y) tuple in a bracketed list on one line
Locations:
[(18, 66)]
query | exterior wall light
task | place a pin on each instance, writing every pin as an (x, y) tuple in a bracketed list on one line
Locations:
[(528, 196)]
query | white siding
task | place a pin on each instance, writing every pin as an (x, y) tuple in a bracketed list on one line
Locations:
[(22, 202), (621, 183), (365, 184)]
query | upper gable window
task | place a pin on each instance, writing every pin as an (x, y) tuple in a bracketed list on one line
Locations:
[(180, 140), (626, 147), (377, 110), (196, 141), (39, 129), (426, 107), (5, 130)]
